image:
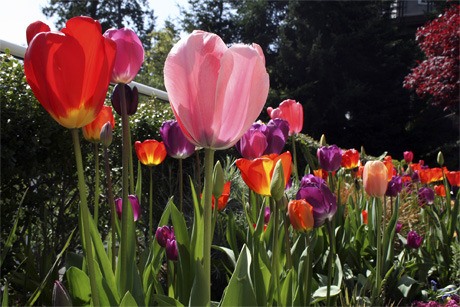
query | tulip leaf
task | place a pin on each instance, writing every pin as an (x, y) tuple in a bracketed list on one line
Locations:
[(164, 300), (197, 240), (106, 296), (128, 300), (321, 293), (240, 290), (79, 287), (230, 233), (230, 254), (5, 295), (288, 288), (405, 284)]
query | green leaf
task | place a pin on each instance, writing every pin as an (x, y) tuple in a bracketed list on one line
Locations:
[(139, 180), (288, 287), (79, 287), (405, 284), (240, 291), (12, 236), (128, 301), (230, 254), (5, 295), (164, 300)]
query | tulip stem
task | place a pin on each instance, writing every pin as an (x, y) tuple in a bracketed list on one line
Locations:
[(207, 203), (294, 157), (113, 213), (378, 268), (96, 183), (331, 254), (275, 252), (125, 282), (151, 206), (308, 269), (181, 186), (84, 211)]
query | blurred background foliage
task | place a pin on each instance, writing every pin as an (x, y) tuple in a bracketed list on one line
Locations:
[(344, 61)]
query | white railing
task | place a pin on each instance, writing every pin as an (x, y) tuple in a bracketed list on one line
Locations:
[(19, 52)]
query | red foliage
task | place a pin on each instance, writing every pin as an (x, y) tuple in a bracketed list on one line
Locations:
[(438, 76)]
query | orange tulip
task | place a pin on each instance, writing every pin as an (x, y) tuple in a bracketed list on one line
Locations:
[(388, 161), (429, 175), (223, 199), (301, 215), (150, 152), (375, 178), (69, 71), (350, 158), (440, 190), (92, 131), (454, 178), (320, 173), (257, 173)]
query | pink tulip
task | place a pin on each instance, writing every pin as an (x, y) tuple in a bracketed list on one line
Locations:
[(375, 178), (216, 92), (292, 112), (130, 54)]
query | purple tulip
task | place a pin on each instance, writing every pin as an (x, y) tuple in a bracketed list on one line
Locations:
[(316, 192), (134, 204), (414, 240), (398, 226), (267, 215), (277, 133), (163, 234), (132, 99), (425, 196), (175, 141), (394, 186), (253, 142), (329, 157), (172, 252)]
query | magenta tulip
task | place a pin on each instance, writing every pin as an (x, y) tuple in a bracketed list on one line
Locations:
[(216, 92), (414, 240), (134, 204), (130, 54), (329, 157)]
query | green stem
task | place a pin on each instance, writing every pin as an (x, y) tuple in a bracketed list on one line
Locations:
[(181, 186), (124, 265), (331, 254), (275, 257), (294, 157), (378, 268), (308, 270), (198, 170), (151, 207), (131, 167), (287, 242), (113, 213), (96, 183), (207, 203), (85, 218)]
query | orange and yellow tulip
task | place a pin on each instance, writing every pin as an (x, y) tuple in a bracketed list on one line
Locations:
[(150, 152), (257, 173), (92, 131)]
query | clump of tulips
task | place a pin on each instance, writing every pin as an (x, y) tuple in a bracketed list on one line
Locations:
[(330, 235)]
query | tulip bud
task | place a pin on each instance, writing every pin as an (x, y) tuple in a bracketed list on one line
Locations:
[(440, 159), (131, 98), (414, 240), (375, 178), (172, 252), (218, 180), (277, 184), (106, 134), (322, 140)]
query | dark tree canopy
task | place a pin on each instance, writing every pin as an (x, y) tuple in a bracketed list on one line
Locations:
[(134, 14)]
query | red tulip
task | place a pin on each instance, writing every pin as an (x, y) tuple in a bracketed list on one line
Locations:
[(292, 112), (364, 214), (440, 190), (216, 92), (257, 173), (130, 54), (301, 215), (454, 178), (375, 178), (92, 131), (150, 152), (35, 28), (69, 71), (350, 158)]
